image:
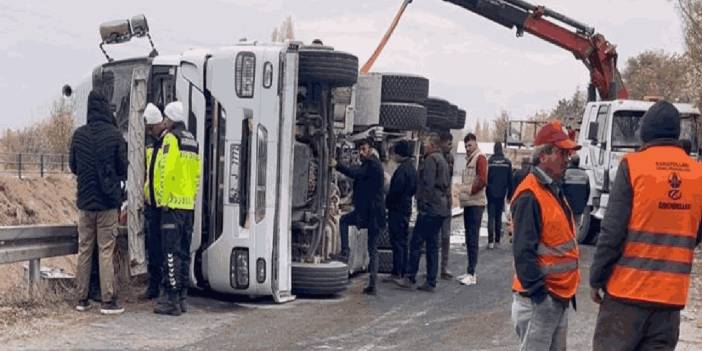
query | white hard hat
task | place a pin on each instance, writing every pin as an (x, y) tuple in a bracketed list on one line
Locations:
[(152, 114), (174, 111)]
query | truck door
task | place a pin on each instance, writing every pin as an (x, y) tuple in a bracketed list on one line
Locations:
[(600, 154)]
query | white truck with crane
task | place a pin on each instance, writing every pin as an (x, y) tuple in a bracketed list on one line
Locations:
[(608, 127)]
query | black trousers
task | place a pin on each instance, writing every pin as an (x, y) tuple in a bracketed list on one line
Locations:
[(495, 209), (176, 235), (398, 226), (426, 230), (622, 326), (154, 251), (350, 219), (472, 217)]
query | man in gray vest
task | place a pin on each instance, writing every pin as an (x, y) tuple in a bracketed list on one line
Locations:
[(473, 200)]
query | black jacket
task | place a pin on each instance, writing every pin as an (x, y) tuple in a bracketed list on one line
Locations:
[(368, 193), (614, 228), (499, 182), (433, 183), (98, 157), (526, 215), (576, 187), (403, 185)]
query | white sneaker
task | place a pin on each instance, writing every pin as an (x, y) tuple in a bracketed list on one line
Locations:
[(461, 277), (491, 246), (469, 280)]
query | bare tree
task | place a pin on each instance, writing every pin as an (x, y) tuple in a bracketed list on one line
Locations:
[(657, 73), (286, 31), (500, 126)]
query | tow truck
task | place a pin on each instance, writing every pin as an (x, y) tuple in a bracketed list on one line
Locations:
[(609, 126)]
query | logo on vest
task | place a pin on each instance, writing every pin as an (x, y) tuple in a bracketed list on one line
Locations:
[(675, 182)]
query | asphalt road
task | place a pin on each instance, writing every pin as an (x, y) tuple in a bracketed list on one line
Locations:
[(454, 317)]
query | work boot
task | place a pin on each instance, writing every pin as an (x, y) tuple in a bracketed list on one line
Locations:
[(446, 275), (169, 306), (370, 290), (183, 305)]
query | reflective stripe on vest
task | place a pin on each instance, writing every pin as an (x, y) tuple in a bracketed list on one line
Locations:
[(557, 251), (666, 210)]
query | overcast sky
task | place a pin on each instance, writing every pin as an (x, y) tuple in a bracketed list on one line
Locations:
[(470, 61)]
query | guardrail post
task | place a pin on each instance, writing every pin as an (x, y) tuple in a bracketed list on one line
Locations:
[(19, 166), (34, 272), (62, 167), (41, 165)]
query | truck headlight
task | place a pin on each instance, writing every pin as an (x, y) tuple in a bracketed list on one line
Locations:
[(260, 270), (239, 268), (244, 74)]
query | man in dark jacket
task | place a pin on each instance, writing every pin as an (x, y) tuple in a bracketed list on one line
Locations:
[(433, 206), (403, 185), (446, 146), (98, 157), (521, 173), (499, 185), (369, 206), (576, 187), (645, 250)]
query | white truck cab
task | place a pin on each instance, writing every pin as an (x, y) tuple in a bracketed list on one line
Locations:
[(609, 130)]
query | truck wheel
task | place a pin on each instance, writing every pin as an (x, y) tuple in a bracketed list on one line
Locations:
[(338, 69), (460, 120), (589, 228), (404, 88), (402, 116), (319, 279), (384, 261), (437, 112), (452, 116)]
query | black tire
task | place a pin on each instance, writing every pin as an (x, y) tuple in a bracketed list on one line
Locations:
[(589, 228), (384, 261), (336, 68), (404, 88), (402, 116), (319, 279), (437, 112), (452, 116), (384, 240), (460, 120)]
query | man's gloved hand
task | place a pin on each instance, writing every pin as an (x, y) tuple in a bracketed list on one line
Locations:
[(595, 295)]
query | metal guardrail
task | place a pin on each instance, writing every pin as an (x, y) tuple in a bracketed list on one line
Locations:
[(34, 242), (23, 164), (26, 243)]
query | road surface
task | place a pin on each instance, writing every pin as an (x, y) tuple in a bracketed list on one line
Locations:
[(454, 317)]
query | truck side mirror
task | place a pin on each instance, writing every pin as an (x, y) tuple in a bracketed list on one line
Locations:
[(592, 131)]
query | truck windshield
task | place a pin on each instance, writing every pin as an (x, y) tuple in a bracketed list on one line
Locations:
[(118, 80), (626, 127)]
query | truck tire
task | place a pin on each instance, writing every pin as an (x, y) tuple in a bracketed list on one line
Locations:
[(384, 261), (460, 120), (404, 88), (452, 116), (402, 116), (589, 228), (437, 112), (319, 279), (336, 68)]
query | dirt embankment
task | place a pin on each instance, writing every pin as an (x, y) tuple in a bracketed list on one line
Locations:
[(49, 200)]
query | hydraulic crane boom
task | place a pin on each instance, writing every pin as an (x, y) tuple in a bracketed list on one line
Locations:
[(598, 55)]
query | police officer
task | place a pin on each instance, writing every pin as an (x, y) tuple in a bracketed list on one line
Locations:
[(174, 181), (156, 126), (645, 250)]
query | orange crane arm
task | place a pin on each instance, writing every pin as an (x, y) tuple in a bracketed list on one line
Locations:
[(367, 66)]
